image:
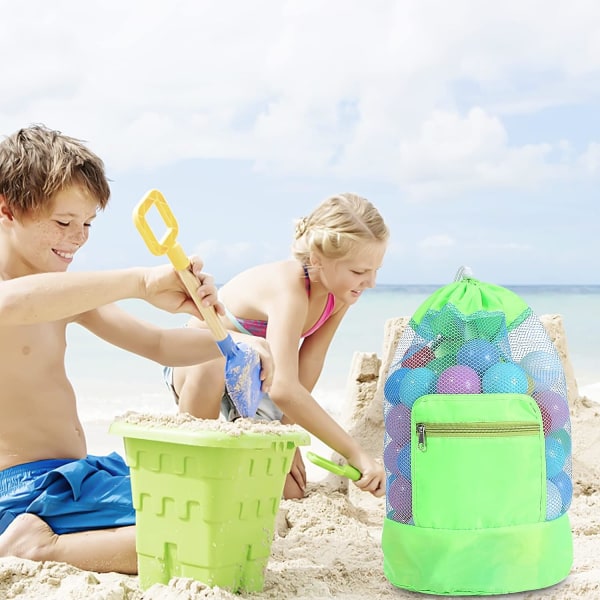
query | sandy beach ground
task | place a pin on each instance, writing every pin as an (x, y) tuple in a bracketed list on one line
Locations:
[(328, 544)]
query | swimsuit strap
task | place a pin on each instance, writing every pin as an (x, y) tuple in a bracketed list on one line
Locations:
[(329, 306), (235, 321), (306, 279), (253, 327)]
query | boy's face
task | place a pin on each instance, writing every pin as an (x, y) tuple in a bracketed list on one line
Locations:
[(47, 242)]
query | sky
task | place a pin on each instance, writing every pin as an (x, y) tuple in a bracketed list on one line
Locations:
[(473, 126)]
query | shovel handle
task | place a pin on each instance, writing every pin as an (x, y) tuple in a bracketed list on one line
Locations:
[(169, 245), (342, 470)]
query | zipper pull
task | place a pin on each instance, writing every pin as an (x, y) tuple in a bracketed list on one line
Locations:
[(421, 437)]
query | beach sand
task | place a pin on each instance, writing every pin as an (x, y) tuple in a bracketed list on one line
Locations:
[(327, 545)]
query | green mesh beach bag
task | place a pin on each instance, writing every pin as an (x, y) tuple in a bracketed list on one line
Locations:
[(477, 448)]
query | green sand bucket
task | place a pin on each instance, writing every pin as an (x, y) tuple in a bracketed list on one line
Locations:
[(206, 500)]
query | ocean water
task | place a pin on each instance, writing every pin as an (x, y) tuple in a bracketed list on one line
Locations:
[(109, 381)]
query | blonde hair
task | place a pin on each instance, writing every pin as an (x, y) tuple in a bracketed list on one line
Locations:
[(37, 162), (337, 226)]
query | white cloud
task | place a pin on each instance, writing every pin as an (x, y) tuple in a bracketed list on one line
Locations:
[(344, 87)]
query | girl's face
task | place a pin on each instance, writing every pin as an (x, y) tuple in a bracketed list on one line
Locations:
[(47, 242), (347, 278)]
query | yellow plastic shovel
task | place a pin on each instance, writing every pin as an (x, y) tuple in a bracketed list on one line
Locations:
[(242, 363)]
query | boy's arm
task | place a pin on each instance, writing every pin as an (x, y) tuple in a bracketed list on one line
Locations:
[(180, 346), (47, 297), (174, 347)]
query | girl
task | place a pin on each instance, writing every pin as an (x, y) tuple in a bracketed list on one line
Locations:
[(297, 305)]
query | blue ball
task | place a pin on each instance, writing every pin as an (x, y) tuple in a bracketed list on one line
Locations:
[(478, 354), (504, 378), (555, 457), (553, 501), (565, 486), (415, 384), (404, 461), (545, 368), (391, 389)]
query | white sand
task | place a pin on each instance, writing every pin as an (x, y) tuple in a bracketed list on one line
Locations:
[(328, 544)]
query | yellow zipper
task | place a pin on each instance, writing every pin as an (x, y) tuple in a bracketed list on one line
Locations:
[(474, 429)]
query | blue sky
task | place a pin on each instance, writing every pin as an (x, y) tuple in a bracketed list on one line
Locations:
[(473, 126)]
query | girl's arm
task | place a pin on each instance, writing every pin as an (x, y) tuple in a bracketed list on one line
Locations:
[(313, 351), (293, 376)]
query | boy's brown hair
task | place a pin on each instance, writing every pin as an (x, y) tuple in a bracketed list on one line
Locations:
[(36, 163)]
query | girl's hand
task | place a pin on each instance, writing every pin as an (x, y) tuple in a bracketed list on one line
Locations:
[(261, 346), (295, 483), (373, 474)]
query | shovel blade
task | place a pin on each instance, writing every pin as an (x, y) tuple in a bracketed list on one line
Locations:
[(242, 376)]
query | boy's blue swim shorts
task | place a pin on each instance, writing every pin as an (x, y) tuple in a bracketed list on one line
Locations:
[(70, 495)]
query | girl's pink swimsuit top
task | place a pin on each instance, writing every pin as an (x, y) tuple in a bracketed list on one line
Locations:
[(258, 328)]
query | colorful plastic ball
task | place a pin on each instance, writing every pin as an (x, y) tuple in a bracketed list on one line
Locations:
[(415, 384), (553, 501), (554, 408), (544, 367), (478, 354), (396, 459), (390, 456), (563, 437), (459, 379), (565, 486), (417, 356), (397, 423), (403, 462), (555, 458), (391, 389), (504, 378), (400, 495)]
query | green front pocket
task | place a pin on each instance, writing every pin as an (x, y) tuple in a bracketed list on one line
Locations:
[(477, 460)]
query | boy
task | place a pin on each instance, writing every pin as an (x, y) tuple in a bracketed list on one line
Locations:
[(56, 502)]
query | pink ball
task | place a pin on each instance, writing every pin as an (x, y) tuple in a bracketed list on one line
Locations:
[(459, 379), (418, 357)]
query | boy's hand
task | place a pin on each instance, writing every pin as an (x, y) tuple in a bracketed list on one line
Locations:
[(164, 289), (207, 290)]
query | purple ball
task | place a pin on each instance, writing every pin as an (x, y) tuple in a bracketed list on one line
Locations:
[(397, 423), (400, 495), (390, 456), (459, 379)]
